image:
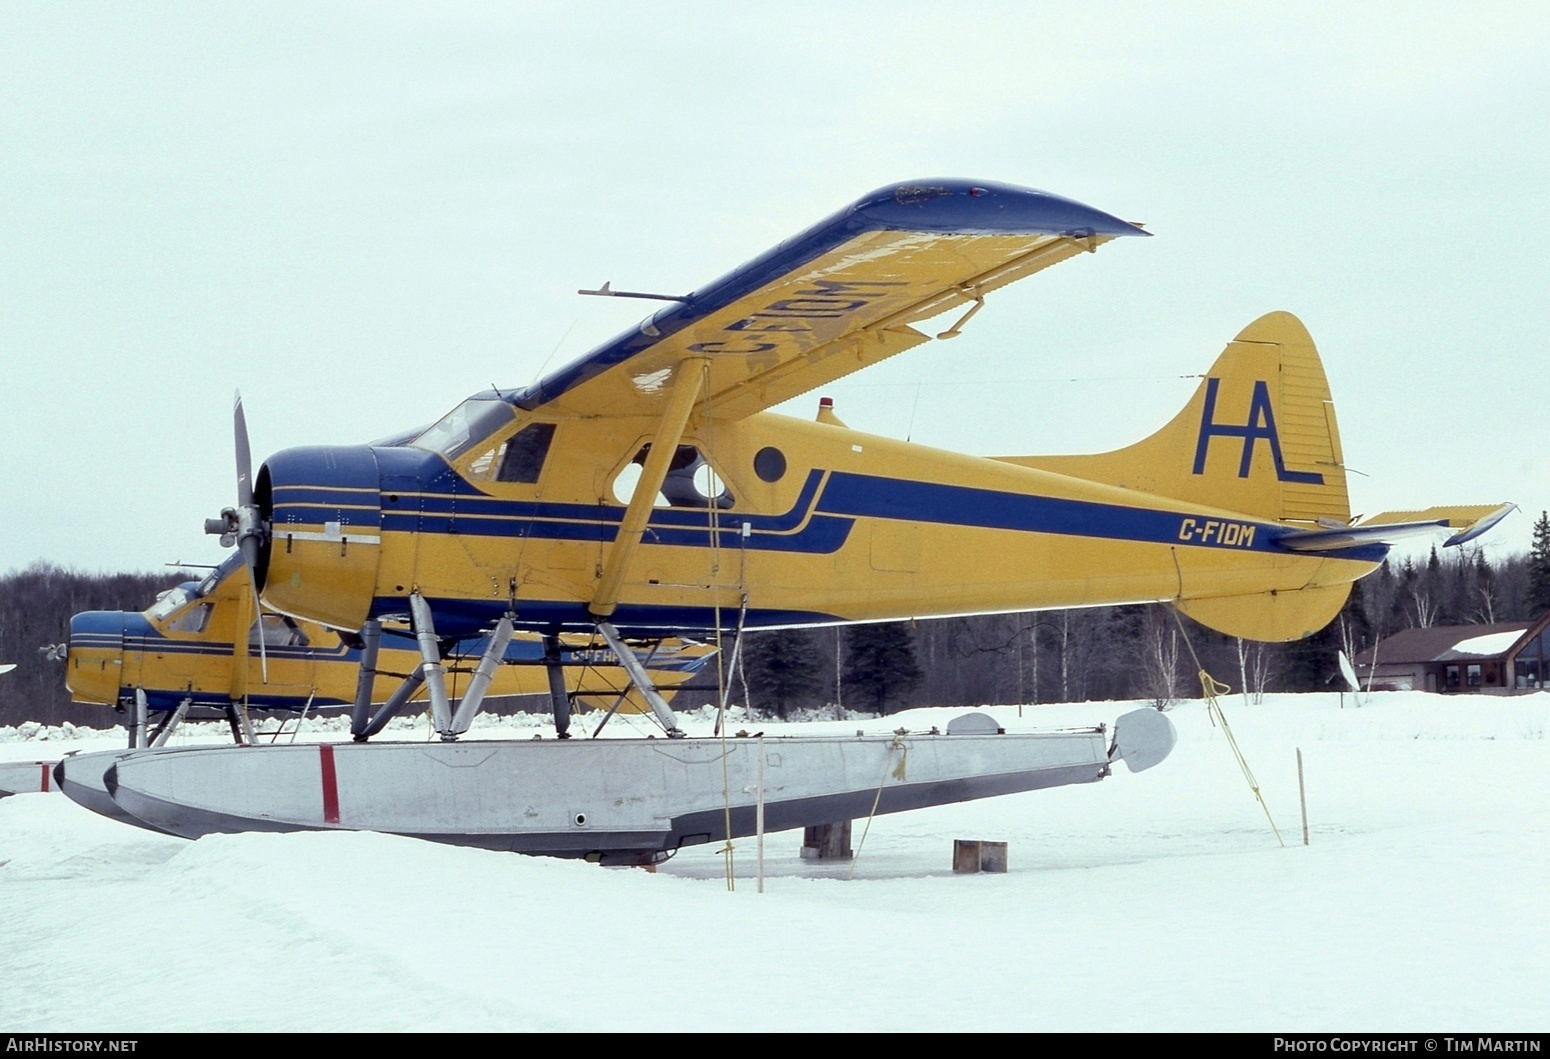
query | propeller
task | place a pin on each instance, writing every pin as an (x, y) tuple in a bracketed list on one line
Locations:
[(243, 525)]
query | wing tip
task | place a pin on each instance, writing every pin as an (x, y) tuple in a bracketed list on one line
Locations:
[(1480, 526), (956, 204)]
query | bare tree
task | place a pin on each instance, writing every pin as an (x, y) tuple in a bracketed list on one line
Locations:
[(1255, 666), (1161, 659), (1425, 612)]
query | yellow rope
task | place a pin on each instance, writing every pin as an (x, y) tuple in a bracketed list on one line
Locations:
[(713, 523), (898, 774), (1211, 687)]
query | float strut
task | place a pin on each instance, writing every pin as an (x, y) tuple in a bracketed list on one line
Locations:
[(483, 674), (360, 712), (167, 727), (641, 681), (137, 721), (559, 698), (394, 703), (433, 672)]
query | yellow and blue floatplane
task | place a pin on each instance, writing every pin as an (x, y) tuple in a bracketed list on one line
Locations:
[(646, 490)]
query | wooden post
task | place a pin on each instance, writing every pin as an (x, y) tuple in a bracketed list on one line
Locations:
[(827, 842), (973, 855), (759, 814), (1302, 796)]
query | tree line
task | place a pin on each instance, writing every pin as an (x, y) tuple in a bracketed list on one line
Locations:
[(1149, 652), (36, 604)]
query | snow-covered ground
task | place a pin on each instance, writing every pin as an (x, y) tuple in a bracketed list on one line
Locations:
[(1152, 901)]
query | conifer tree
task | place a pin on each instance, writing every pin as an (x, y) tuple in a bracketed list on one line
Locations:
[(880, 665), (1539, 568), (784, 669)]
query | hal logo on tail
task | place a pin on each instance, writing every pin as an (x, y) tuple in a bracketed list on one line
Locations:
[(1261, 424)]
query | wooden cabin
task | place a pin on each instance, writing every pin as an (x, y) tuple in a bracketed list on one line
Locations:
[(1503, 658)]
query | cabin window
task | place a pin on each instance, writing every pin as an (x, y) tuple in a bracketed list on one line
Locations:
[(520, 458), (769, 463), (691, 481), (192, 620), (465, 426), (1474, 676), (1452, 676), (278, 631)]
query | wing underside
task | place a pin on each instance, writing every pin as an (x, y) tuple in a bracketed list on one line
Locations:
[(836, 298)]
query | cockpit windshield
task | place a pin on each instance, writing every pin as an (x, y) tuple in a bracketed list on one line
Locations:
[(172, 599), (466, 425), (219, 574)]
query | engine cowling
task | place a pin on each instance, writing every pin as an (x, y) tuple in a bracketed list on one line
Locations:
[(322, 508), (94, 665)]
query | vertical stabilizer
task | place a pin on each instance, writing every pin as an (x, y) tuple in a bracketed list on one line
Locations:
[(1258, 436)]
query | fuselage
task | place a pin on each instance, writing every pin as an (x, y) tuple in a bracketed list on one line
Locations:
[(816, 523), (183, 647)]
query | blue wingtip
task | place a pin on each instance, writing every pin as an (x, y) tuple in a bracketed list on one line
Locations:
[(957, 205), (1480, 528)]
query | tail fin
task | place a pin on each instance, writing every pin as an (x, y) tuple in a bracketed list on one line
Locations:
[(1258, 437)]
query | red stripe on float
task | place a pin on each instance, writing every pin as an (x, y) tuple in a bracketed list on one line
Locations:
[(44, 767), (330, 784)]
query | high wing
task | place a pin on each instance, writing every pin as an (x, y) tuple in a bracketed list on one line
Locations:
[(835, 298)]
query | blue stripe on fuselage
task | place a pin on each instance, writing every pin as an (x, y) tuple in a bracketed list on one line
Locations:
[(820, 520), (868, 496)]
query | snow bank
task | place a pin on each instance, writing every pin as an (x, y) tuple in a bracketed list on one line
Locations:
[(1158, 901)]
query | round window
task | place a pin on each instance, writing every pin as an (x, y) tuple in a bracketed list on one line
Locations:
[(769, 463)]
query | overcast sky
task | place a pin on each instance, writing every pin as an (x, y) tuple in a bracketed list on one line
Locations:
[(359, 214)]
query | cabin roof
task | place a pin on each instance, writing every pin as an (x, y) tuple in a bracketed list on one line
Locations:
[(1449, 643)]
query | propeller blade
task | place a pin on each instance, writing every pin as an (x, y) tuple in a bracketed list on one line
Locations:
[(244, 458)]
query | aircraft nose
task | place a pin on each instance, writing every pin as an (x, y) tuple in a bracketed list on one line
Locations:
[(323, 509), (94, 662)]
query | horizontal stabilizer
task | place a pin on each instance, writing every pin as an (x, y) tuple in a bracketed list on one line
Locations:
[(1392, 527)]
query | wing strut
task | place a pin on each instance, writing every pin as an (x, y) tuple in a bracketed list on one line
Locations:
[(685, 391)]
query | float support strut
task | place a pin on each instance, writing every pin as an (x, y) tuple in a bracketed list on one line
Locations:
[(137, 720), (360, 712), (432, 672), (483, 674), (167, 727), (559, 698), (394, 703), (641, 681)]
